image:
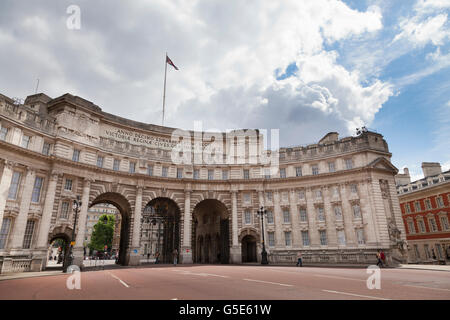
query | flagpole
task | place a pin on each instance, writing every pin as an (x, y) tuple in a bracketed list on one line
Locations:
[(164, 94)]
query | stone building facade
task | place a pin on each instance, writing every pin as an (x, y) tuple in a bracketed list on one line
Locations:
[(425, 206), (335, 200)]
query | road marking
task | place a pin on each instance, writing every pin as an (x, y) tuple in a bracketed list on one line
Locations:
[(122, 282), (407, 285), (355, 295), (200, 274), (280, 284), (320, 275)]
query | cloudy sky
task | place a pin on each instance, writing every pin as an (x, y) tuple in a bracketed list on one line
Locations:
[(305, 67)]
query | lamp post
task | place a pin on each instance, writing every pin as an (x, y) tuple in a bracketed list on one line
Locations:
[(76, 208), (261, 212)]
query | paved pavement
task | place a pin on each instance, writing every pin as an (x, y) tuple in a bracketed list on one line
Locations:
[(231, 282)]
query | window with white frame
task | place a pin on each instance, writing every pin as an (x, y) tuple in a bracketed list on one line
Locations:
[(432, 223), (320, 214), (164, 172), (196, 174), (269, 195), (349, 163), (179, 173), (25, 141), (3, 133), (210, 174), (36, 195), (421, 225), (411, 227), (247, 198), (225, 174), (4, 232), (416, 251), (248, 216), (149, 170), (68, 185), (360, 236), (14, 186), (323, 237), (100, 161), (283, 173), (444, 223), (356, 211), (269, 217), (331, 167), (286, 216), (116, 165), (336, 192), (29, 229), (428, 204), (417, 206), (266, 173), (303, 215), (287, 238), (298, 171), (65, 210), (132, 168), (341, 237), (407, 208), (301, 195), (439, 202), (76, 155), (426, 249), (46, 148), (353, 188), (315, 169), (338, 212), (246, 174), (271, 236), (318, 194), (305, 238)]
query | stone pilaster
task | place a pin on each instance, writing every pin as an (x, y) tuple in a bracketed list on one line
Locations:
[(186, 249), (278, 219), (296, 241), (347, 215), (135, 244), (235, 252), (20, 222), (78, 251), (329, 218), (311, 211), (5, 183)]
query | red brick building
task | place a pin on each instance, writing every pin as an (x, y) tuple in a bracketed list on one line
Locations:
[(425, 206)]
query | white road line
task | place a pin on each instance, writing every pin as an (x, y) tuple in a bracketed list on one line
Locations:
[(407, 285), (355, 295), (334, 277), (122, 282), (280, 284), (203, 274)]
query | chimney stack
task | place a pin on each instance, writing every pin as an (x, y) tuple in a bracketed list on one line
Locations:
[(402, 179), (431, 168)]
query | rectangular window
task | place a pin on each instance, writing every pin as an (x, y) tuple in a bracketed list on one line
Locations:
[(331, 166), (150, 170), (356, 211), (301, 195), (303, 215), (210, 174), (29, 229), (76, 155), (271, 236), (248, 217), (353, 188), (3, 133), (433, 226), (116, 165), (247, 198), (225, 174), (266, 173), (4, 232), (68, 185), (269, 195), (283, 173), (286, 217), (439, 250), (411, 228), (323, 237), (428, 204), (100, 161), (341, 237), (37, 189), (196, 173), (14, 187), (336, 192), (25, 141), (439, 202), (320, 214), (269, 216), (132, 168), (298, 171), (416, 251), (65, 210), (287, 238), (179, 173), (338, 212), (444, 223), (349, 163), (246, 174), (164, 171), (315, 169), (421, 225), (46, 148), (426, 248), (407, 208), (318, 194), (305, 238), (417, 206), (360, 236)]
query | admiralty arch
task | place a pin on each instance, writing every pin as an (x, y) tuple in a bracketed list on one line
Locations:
[(335, 201)]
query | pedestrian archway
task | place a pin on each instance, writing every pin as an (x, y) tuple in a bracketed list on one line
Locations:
[(59, 249), (248, 245), (211, 232)]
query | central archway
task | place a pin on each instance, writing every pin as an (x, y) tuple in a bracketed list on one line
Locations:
[(211, 232)]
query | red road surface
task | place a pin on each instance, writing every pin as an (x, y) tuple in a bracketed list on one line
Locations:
[(231, 282)]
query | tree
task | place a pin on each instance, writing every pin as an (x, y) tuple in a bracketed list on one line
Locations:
[(103, 233)]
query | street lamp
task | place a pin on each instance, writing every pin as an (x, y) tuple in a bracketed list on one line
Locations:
[(261, 212), (76, 208)]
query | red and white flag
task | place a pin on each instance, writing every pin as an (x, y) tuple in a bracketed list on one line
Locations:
[(170, 62)]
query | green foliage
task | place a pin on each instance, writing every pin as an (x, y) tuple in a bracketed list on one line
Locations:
[(103, 233), (58, 243)]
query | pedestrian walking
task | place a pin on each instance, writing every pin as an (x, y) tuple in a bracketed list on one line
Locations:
[(157, 257), (383, 258), (379, 261), (175, 256), (299, 259)]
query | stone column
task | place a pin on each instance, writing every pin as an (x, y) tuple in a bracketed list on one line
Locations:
[(347, 215), (235, 252), (5, 183), (296, 241), (329, 218), (42, 241), (186, 248), (78, 251), (20, 222), (312, 225), (278, 220), (135, 244)]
